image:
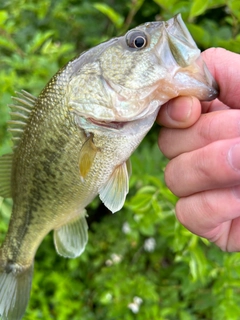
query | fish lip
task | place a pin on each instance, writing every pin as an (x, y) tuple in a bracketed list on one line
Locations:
[(209, 81), (214, 94), (215, 89)]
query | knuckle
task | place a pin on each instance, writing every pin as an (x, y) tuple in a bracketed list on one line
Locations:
[(208, 206), (170, 177), (164, 140), (197, 213), (208, 128), (181, 212), (202, 165), (212, 126)]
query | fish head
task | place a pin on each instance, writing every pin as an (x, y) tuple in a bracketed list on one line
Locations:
[(130, 77)]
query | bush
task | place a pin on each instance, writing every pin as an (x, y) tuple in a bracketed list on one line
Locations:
[(140, 263)]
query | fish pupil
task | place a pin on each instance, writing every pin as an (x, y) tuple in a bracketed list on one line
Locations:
[(139, 42)]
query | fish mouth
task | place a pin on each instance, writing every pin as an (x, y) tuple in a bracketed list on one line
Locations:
[(183, 58), (121, 122), (211, 83), (108, 124)]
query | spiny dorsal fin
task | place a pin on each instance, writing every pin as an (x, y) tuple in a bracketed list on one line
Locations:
[(20, 112), (113, 193), (5, 175)]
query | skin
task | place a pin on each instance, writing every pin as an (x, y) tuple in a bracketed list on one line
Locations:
[(202, 141)]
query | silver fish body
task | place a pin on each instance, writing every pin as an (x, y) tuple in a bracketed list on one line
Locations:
[(74, 141)]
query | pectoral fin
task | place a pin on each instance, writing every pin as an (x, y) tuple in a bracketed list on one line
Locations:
[(5, 175), (70, 240), (113, 194), (87, 156)]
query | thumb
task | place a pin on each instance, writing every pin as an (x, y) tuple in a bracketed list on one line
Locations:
[(180, 112), (224, 65)]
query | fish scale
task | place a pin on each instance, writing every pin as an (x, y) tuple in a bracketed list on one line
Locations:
[(73, 142)]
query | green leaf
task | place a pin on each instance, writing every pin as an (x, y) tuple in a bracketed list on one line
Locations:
[(166, 4), (141, 202), (7, 44), (39, 40), (199, 34), (115, 17), (198, 7), (234, 6), (3, 17)]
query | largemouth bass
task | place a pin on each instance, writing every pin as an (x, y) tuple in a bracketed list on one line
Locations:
[(74, 141)]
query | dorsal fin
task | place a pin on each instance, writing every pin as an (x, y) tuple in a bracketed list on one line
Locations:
[(5, 175), (20, 112)]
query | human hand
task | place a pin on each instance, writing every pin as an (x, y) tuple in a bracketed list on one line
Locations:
[(203, 142)]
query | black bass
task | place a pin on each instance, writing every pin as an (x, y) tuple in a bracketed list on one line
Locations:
[(74, 141)]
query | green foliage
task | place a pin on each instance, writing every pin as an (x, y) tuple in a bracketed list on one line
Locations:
[(140, 263)]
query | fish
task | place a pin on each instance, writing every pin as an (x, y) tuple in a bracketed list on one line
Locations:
[(74, 141)]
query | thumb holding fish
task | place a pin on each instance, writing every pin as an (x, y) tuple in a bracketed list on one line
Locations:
[(204, 171)]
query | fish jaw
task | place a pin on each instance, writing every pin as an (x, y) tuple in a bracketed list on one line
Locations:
[(196, 81), (188, 72)]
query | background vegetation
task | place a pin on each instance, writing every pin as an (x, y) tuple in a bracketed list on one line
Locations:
[(139, 263)]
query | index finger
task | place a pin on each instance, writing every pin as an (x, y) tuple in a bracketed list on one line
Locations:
[(224, 65)]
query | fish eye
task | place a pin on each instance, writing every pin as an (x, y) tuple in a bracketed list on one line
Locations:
[(136, 39)]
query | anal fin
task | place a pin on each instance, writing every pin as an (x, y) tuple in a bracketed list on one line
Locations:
[(5, 175), (70, 239), (113, 193)]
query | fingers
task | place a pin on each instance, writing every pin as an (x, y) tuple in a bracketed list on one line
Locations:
[(223, 65), (215, 105), (205, 166), (180, 112), (214, 166), (210, 127), (213, 215)]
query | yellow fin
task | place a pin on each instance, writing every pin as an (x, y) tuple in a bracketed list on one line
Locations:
[(5, 175), (70, 239), (87, 156), (113, 193)]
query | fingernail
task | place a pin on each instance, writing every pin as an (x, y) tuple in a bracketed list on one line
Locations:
[(234, 157), (184, 111)]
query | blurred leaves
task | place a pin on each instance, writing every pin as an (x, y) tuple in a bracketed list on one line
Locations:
[(116, 18), (141, 251), (198, 7)]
